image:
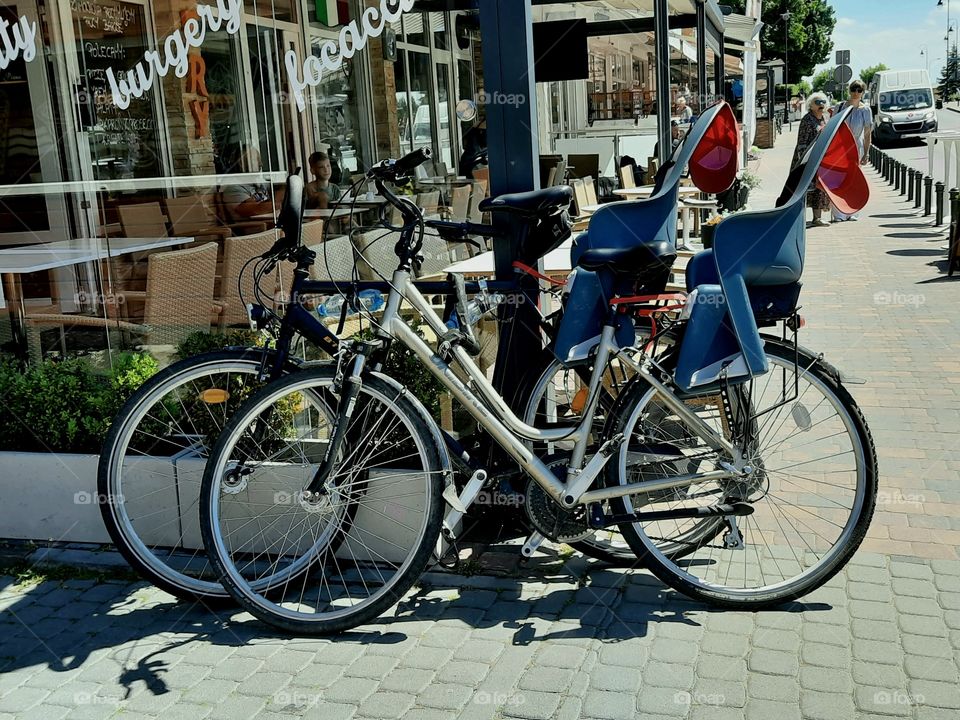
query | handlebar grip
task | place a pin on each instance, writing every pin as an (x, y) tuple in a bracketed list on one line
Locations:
[(411, 161)]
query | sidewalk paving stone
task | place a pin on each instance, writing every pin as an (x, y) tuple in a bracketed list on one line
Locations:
[(881, 640)]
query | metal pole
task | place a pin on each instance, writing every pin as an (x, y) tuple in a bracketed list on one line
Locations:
[(702, 55), (918, 190), (939, 219), (661, 10), (896, 174), (954, 206), (910, 172), (513, 153), (786, 63), (903, 179), (928, 196)]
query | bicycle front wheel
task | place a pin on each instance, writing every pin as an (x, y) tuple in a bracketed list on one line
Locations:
[(152, 462), (812, 489), (324, 562)]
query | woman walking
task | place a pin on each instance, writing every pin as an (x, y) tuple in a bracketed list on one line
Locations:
[(860, 122), (810, 126)]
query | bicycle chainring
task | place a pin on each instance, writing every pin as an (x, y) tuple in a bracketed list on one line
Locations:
[(549, 518)]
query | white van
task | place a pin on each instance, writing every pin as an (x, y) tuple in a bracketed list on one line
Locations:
[(903, 104)]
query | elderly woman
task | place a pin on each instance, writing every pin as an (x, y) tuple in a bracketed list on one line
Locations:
[(810, 126)]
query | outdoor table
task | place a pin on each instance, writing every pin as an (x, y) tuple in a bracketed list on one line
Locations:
[(555, 263), (645, 191), (451, 181), (317, 214), (362, 202), (26, 259)]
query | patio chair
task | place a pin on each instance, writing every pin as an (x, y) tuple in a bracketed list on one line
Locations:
[(241, 227), (429, 202), (459, 202), (627, 180), (378, 259), (190, 216), (143, 220), (236, 290), (178, 301)]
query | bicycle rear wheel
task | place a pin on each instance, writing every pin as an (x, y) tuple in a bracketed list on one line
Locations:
[(322, 564), (152, 462), (812, 489)]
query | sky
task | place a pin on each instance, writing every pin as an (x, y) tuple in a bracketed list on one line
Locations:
[(892, 32)]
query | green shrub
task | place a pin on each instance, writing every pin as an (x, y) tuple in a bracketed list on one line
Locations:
[(64, 406), (201, 342)]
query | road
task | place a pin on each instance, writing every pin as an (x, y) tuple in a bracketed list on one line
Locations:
[(913, 151)]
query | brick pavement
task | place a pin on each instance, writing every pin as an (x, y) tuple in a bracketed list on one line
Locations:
[(569, 639)]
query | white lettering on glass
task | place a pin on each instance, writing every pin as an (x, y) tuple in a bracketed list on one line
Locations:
[(134, 83), (352, 39), (24, 39)]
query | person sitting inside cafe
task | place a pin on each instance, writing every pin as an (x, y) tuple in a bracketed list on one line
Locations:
[(321, 193), (245, 201)]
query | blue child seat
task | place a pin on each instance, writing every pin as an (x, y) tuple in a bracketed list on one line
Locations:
[(620, 228), (756, 262)]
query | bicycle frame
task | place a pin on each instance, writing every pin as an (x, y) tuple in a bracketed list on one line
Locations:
[(497, 419)]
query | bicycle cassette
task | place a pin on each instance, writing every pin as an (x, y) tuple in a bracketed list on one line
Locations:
[(549, 518)]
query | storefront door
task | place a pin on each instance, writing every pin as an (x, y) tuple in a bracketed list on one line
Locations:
[(29, 148)]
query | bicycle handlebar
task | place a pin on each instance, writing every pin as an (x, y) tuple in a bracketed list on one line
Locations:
[(393, 170)]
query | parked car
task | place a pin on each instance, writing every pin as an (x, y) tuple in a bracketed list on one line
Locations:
[(903, 104)]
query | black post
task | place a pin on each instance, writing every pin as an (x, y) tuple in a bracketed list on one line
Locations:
[(927, 196), (887, 161), (661, 11), (954, 206), (903, 179), (940, 189), (910, 173), (896, 174), (513, 153), (918, 190)]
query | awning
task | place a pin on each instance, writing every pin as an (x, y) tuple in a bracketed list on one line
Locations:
[(686, 49), (741, 32)]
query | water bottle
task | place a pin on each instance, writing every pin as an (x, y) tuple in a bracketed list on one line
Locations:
[(481, 304)]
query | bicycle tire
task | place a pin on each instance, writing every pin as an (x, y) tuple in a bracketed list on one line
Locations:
[(112, 499), (826, 378), (415, 419)]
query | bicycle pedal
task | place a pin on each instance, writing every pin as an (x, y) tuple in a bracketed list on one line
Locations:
[(533, 542)]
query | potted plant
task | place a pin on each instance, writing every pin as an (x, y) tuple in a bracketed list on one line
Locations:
[(707, 230)]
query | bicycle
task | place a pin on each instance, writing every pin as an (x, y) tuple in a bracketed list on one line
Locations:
[(320, 520)]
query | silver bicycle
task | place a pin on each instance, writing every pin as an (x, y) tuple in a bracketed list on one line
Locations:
[(329, 489)]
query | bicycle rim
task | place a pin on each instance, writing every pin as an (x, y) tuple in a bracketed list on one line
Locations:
[(363, 543)]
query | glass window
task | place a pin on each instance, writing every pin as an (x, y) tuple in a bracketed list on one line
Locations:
[(123, 143), (413, 29), (465, 86), (438, 23), (283, 10), (443, 110)]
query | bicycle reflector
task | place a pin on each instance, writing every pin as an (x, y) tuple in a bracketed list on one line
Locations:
[(715, 161), (840, 175)]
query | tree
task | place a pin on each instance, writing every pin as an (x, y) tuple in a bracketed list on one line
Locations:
[(950, 76), (810, 31), (822, 79), (802, 88), (868, 72)]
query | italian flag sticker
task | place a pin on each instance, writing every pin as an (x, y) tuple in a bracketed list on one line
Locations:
[(333, 12)]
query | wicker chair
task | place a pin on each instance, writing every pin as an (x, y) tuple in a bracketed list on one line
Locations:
[(237, 251), (460, 202), (376, 250), (190, 216), (143, 220), (429, 201), (179, 300)]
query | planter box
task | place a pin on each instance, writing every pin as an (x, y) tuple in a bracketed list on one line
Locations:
[(53, 496)]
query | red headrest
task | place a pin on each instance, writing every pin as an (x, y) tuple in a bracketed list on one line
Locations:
[(714, 164), (840, 175)]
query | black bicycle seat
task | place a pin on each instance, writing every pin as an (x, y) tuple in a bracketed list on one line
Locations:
[(536, 202), (631, 260)]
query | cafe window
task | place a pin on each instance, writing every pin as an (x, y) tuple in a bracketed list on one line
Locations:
[(123, 143)]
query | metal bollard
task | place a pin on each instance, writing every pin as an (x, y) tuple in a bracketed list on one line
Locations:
[(910, 173), (940, 189), (927, 196), (918, 190), (954, 206), (896, 174), (903, 179), (886, 168)]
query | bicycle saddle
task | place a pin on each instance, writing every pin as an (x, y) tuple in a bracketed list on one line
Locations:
[(536, 202), (629, 260)]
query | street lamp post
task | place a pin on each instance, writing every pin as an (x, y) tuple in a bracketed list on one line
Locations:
[(786, 64)]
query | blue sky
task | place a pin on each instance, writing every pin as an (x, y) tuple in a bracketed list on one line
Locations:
[(892, 32)]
